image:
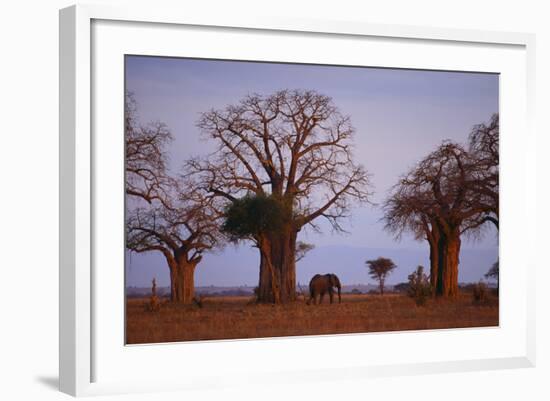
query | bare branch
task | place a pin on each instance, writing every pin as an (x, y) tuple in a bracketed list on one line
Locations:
[(292, 144)]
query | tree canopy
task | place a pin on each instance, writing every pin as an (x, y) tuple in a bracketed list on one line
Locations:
[(292, 144), (254, 215)]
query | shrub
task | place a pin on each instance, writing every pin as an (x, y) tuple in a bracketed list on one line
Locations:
[(480, 293), (419, 288)]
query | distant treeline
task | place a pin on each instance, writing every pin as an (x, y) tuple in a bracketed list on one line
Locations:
[(213, 291)]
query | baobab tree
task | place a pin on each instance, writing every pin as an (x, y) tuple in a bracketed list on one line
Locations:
[(296, 147), (379, 269), (164, 213), (439, 196), (181, 232)]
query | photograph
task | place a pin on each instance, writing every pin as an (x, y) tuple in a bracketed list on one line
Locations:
[(270, 199)]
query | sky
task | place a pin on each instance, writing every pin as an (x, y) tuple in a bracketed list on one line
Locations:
[(399, 116)]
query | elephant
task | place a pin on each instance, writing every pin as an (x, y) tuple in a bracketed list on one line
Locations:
[(321, 284)]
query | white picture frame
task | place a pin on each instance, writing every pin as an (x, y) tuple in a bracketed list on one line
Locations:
[(82, 344)]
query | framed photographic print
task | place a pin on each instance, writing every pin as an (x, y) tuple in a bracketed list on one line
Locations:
[(260, 190)]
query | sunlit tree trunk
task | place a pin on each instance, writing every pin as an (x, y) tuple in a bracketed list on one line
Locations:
[(449, 251), (182, 281), (278, 253), (284, 257), (265, 292), (270, 278)]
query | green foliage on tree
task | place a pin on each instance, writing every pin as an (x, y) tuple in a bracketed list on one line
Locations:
[(255, 215)]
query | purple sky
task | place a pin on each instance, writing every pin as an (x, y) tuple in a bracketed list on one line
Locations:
[(399, 116)]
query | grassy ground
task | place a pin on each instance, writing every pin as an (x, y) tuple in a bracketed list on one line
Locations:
[(237, 317)]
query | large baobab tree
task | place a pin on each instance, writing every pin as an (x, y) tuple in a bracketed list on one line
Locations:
[(438, 197), (165, 214), (296, 147)]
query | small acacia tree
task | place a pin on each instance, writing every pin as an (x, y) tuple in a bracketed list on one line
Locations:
[(379, 269)]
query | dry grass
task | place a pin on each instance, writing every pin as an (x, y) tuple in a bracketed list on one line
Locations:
[(236, 317)]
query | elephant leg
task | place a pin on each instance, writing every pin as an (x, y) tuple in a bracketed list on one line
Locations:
[(330, 294), (321, 298)]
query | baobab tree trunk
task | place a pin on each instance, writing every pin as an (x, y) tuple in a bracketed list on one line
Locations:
[(433, 240), (270, 278), (449, 251), (434, 265), (278, 253), (452, 261), (284, 257), (269, 283), (182, 282)]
